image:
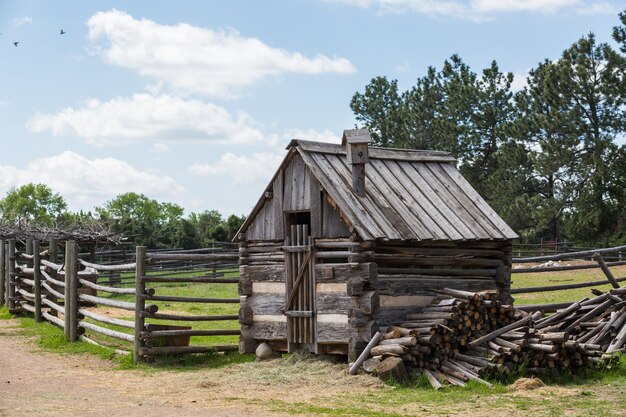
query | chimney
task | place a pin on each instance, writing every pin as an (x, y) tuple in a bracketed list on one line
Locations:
[(356, 141)]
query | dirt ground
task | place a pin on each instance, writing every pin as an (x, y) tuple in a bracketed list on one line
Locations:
[(38, 383)]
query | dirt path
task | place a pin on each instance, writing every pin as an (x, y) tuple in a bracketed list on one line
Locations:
[(39, 383), (47, 384)]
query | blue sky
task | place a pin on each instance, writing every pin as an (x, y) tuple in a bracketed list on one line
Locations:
[(193, 102)]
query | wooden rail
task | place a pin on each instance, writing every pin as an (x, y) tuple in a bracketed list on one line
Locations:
[(36, 282)]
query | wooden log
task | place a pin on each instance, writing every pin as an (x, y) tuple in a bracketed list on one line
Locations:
[(558, 315), (54, 306), (124, 305), (559, 337), (104, 319), (177, 350), (3, 273), (581, 254), (70, 303), (563, 286), (112, 290), (392, 369), (86, 339), (98, 267), (370, 365), (140, 303), (432, 380), (152, 334), (52, 319), (617, 343), (107, 332), (542, 347), (449, 378), (392, 334), (593, 313), (10, 278), (53, 291), (165, 256), (606, 270), (389, 349), (404, 341), (189, 299), (365, 354), (455, 365), (500, 331), (191, 280), (438, 271)]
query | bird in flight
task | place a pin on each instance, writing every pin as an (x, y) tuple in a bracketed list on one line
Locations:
[(62, 32), (15, 43)]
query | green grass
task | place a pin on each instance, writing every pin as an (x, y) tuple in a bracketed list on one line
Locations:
[(4, 313), (51, 338), (539, 279), (599, 394)]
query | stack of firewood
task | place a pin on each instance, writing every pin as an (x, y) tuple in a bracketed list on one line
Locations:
[(468, 335)]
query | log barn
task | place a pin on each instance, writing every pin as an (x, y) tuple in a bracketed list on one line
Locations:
[(348, 238)]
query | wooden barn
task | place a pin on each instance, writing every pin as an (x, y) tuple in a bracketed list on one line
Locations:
[(348, 238)]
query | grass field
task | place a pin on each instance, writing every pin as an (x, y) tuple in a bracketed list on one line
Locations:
[(538, 279)]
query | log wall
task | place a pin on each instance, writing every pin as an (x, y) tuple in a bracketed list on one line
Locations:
[(345, 302), (408, 272)]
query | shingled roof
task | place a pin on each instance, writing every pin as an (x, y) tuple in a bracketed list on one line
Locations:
[(410, 195)]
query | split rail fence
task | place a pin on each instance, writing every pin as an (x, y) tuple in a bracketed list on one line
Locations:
[(65, 290), (599, 258)]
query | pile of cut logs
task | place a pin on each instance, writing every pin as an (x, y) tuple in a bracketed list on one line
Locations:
[(462, 336)]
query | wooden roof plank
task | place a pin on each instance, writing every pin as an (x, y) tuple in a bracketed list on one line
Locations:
[(324, 173), (449, 199), (480, 202), (460, 193), (416, 230), (420, 205), (370, 202), (379, 153), (419, 216), (433, 198)]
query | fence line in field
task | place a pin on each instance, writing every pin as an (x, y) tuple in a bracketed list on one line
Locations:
[(37, 282), (595, 254)]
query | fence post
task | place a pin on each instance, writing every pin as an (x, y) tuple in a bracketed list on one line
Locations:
[(53, 257), (71, 293), (73, 281), (140, 302), (11, 276), (29, 251), (37, 280), (3, 273)]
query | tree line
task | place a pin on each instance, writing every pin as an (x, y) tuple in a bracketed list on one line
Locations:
[(146, 221), (548, 158)]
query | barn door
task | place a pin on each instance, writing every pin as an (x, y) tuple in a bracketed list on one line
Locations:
[(300, 302)]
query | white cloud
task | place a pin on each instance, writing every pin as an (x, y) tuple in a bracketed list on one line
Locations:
[(519, 81), (479, 10), (86, 182), (241, 168), (21, 21), (312, 134), (198, 60), (144, 116), (160, 148), (260, 166), (600, 7)]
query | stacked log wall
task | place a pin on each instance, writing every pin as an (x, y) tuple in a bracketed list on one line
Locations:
[(409, 271), (262, 294), (346, 302)]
